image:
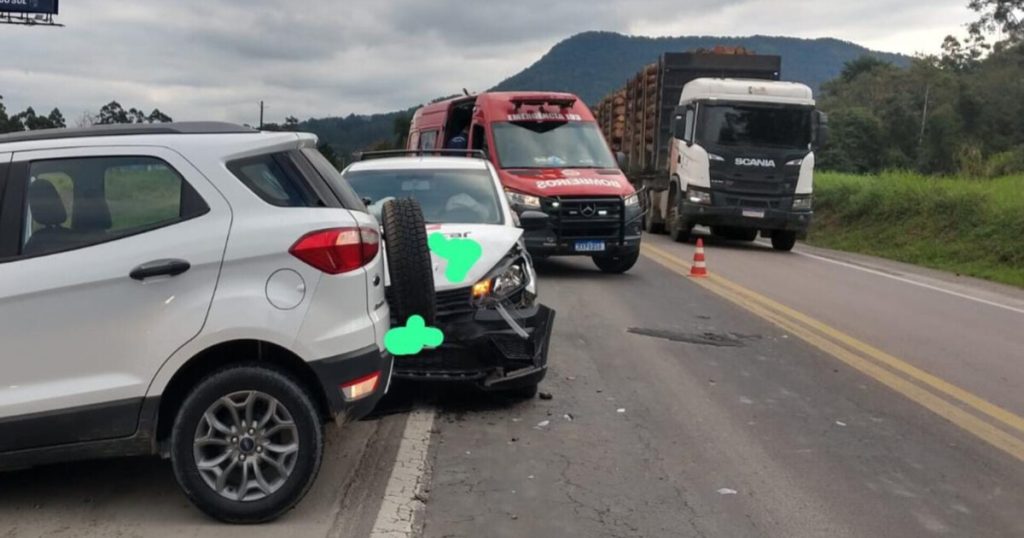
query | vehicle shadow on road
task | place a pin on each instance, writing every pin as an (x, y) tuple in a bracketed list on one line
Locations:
[(730, 244), (445, 397), (572, 269)]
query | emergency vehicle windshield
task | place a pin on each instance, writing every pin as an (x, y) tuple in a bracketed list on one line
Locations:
[(551, 145)]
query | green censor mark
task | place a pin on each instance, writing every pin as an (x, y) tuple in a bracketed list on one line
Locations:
[(462, 255), (413, 338)]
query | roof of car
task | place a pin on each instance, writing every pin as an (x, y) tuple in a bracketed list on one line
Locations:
[(193, 127), (420, 163)]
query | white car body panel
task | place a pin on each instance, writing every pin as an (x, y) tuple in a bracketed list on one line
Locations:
[(82, 331)]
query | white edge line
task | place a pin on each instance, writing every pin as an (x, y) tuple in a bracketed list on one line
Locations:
[(915, 283), (409, 479)]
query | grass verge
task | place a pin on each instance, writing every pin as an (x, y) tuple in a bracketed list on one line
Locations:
[(972, 227)]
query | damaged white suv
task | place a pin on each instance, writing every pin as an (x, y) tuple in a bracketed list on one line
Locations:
[(496, 333)]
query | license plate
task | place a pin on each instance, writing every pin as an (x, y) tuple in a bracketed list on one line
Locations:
[(753, 213), (590, 246)]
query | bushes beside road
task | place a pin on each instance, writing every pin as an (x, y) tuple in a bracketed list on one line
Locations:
[(972, 227)]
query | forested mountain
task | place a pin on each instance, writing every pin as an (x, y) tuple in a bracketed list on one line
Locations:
[(593, 64)]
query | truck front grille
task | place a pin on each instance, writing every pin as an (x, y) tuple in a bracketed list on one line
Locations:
[(586, 218)]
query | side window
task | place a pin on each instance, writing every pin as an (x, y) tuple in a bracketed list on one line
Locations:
[(275, 180), (414, 141), (428, 140), (349, 198), (690, 116), (74, 203)]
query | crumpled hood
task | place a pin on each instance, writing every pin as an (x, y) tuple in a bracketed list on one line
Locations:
[(496, 242), (567, 182)]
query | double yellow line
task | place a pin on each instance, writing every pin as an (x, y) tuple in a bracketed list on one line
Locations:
[(989, 422)]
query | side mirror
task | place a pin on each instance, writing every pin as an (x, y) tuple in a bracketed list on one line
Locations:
[(821, 131), (620, 157), (533, 220), (679, 126)]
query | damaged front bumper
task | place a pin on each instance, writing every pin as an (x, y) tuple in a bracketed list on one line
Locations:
[(494, 349)]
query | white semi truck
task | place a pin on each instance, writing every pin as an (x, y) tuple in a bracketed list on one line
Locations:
[(735, 154)]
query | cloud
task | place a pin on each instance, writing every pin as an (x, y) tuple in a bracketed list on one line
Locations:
[(199, 59)]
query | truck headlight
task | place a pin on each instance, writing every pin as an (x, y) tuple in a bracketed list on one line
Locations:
[(632, 200), (698, 197), (795, 162), (519, 199), (803, 203)]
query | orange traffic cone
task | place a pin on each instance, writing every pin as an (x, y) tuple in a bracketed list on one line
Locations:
[(700, 268)]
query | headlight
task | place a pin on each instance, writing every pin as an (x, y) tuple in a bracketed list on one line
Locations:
[(632, 200), (523, 200), (803, 203), (698, 197), (513, 279), (795, 162), (713, 157)]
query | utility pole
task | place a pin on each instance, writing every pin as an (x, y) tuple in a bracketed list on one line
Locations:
[(924, 115), (261, 115)]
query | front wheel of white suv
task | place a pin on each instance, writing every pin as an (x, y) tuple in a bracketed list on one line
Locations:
[(247, 444)]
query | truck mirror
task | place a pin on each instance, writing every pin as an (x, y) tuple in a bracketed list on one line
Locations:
[(679, 127), (821, 131), (620, 157)]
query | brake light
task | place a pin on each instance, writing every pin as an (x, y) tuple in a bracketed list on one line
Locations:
[(338, 250), (360, 388)]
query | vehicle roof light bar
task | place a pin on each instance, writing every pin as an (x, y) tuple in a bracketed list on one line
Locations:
[(541, 100)]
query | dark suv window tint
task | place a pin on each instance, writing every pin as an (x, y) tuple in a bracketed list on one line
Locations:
[(276, 180), (330, 174), (73, 203)]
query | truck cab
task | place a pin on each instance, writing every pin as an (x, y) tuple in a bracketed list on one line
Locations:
[(742, 159), (552, 159)]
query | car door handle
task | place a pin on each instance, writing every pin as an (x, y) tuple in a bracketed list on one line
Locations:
[(157, 268)]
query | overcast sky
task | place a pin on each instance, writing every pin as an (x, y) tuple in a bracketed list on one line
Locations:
[(215, 59)]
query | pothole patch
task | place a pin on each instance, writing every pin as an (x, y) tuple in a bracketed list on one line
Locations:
[(701, 339)]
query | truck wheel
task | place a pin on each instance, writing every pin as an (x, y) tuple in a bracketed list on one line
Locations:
[(617, 264), (412, 280), (650, 226), (677, 229), (784, 241), (246, 444)]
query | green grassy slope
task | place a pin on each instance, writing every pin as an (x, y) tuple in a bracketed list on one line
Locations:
[(971, 227)]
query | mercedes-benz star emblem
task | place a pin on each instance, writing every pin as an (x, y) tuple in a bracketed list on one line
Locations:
[(589, 210)]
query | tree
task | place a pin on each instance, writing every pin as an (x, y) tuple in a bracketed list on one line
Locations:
[(1006, 16), (863, 65), (56, 119), (114, 113)]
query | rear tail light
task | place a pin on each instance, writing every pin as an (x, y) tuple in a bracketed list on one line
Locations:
[(360, 388), (338, 250)]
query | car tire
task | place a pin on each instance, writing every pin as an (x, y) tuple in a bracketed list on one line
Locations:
[(411, 292), (617, 264), (269, 461), (783, 241)]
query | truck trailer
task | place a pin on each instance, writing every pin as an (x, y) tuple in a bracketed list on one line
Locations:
[(717, 140)]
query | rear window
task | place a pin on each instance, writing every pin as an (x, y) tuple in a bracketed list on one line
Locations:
[(330, 174), (276, 180)]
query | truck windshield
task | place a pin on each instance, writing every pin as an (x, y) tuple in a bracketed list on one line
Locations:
[(751, 125), (551, 145), (447, 196)]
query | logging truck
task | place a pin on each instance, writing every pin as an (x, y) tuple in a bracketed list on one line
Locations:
[(715, 139)]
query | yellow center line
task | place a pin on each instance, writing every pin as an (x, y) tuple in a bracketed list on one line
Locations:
[(832, 342)]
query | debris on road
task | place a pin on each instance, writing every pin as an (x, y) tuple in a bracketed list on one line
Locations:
[(622, 410), (568, 416), (727, 491), (546, 396), (543, 424), (840, 423)]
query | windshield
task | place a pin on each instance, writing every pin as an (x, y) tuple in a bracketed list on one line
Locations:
[(552, 145), (752, 125), (447, 196)]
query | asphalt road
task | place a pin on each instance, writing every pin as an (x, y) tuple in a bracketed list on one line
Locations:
[(788, 396)]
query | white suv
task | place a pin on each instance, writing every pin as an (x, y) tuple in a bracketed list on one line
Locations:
[(202, 291)]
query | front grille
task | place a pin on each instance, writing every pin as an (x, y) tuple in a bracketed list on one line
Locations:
[(586, 218), (454, 302)]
